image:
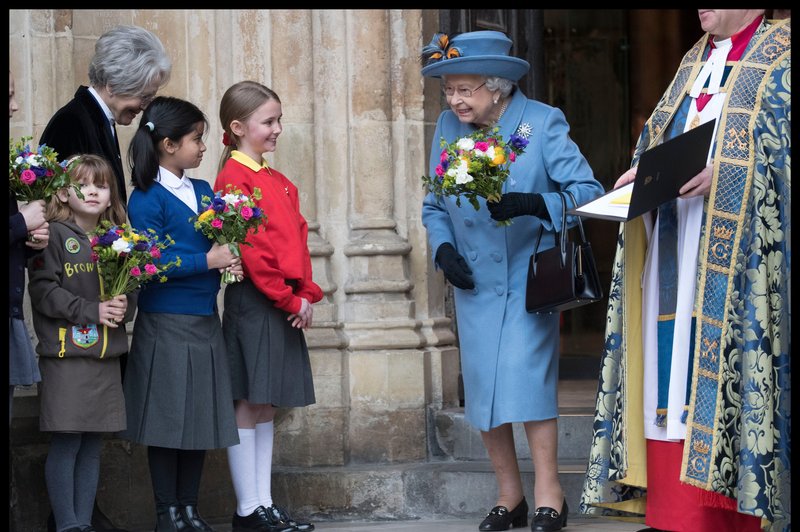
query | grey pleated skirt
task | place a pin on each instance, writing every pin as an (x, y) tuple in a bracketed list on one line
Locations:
[(177, 383), (268, 357), (22, 366)]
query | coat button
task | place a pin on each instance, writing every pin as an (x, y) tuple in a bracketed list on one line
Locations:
[(475, 291), (15, 310), (468, 222), (473, 255), (18, 290), (500, 290), (497, 257)]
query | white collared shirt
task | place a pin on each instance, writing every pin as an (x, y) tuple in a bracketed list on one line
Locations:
[(181, 187), (106, 109)]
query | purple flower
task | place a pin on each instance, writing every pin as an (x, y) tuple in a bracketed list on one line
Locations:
[(39, 171), (518, 142), (108, 238), (218, 204), (256, 212), (141, 246)]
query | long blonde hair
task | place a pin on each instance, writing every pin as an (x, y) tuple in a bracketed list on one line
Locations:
[(94, 169), (239, 102)]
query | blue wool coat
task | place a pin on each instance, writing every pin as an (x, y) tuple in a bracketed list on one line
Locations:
[(509, 358)]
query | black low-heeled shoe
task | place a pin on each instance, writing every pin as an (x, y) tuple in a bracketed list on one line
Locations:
[(501, 519), (546, 519)]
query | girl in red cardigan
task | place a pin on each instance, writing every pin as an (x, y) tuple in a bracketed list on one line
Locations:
[(266, 312)]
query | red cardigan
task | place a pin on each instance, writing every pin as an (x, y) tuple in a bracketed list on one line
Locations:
[(279, 250)]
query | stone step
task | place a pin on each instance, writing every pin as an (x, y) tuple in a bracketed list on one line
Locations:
[(458, 440), (463, 489)]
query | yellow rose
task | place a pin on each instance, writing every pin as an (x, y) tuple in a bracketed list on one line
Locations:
[(206, 215), (499, 158)]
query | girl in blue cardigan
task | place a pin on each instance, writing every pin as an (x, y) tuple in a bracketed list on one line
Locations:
[(177, 384)]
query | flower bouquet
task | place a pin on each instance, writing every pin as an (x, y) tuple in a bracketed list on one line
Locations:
[(228, 218), (475, 166), (36, 174), (127, 258)]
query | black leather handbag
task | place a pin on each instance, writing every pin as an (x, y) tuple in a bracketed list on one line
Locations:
[(564, 276)]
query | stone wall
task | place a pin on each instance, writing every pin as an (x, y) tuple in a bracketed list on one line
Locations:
[(357, 122)]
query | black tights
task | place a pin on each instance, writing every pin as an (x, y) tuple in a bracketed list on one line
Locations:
[(175, 474)]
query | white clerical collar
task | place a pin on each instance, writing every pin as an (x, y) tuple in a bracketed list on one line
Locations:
[(713, 69), (167, 178), (106, 109)]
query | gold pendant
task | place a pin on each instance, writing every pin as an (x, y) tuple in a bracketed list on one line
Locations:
[(695, 122)]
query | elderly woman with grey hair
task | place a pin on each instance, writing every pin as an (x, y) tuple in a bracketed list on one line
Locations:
[(129, 66), (509, 358)]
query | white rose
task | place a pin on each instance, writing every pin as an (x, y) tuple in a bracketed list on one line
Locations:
[(121, 245), (462, 176), (465, 143)]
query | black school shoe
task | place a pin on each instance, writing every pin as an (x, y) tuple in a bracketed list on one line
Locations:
[(280, 513), (546, 519), (260, 520), (501, 519)]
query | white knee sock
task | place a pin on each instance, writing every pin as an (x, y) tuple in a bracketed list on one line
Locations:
[(242, 463), (265, 435)]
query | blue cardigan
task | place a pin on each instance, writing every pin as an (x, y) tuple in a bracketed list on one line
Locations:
[(191, 288)]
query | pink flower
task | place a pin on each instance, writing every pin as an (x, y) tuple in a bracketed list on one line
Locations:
[(49, 173), (216, 223), (135, 271), (93, 241), (512, 156), (481, 146), (439, 170), (150, 269), (443, 157), (247, 212), (27, 177), (95, 256), (155, 252)]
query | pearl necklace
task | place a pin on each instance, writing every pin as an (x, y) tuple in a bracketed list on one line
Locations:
[(502, 111)]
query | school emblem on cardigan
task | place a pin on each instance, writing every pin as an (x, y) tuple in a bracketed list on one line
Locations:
[(72, 245), (524, 130), (85, 336)]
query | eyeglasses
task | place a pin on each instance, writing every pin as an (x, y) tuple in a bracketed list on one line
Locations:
[(464, 93)]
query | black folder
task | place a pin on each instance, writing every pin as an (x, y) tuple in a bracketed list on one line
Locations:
[(662, 171)]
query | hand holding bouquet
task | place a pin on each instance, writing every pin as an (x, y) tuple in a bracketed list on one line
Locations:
[(475, 166), (127, 258), (36, 174), (228, 218)]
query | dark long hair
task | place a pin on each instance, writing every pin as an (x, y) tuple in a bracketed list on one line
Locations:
[(165, 118)]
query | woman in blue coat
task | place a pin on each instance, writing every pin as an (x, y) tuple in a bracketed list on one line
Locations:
[(509, 358)]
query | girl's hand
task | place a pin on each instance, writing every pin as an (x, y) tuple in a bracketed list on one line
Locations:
[(699, 185), (39, 237), (112, 312), (304, 317), (626, 178), (220, 257), (236, 269)]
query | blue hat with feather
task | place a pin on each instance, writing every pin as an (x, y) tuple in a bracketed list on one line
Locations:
[(477, 52)]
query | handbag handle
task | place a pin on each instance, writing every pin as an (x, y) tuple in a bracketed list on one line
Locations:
[(561, 235)]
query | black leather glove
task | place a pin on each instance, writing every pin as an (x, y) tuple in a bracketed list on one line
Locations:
[(454, 267), (513, 204)]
